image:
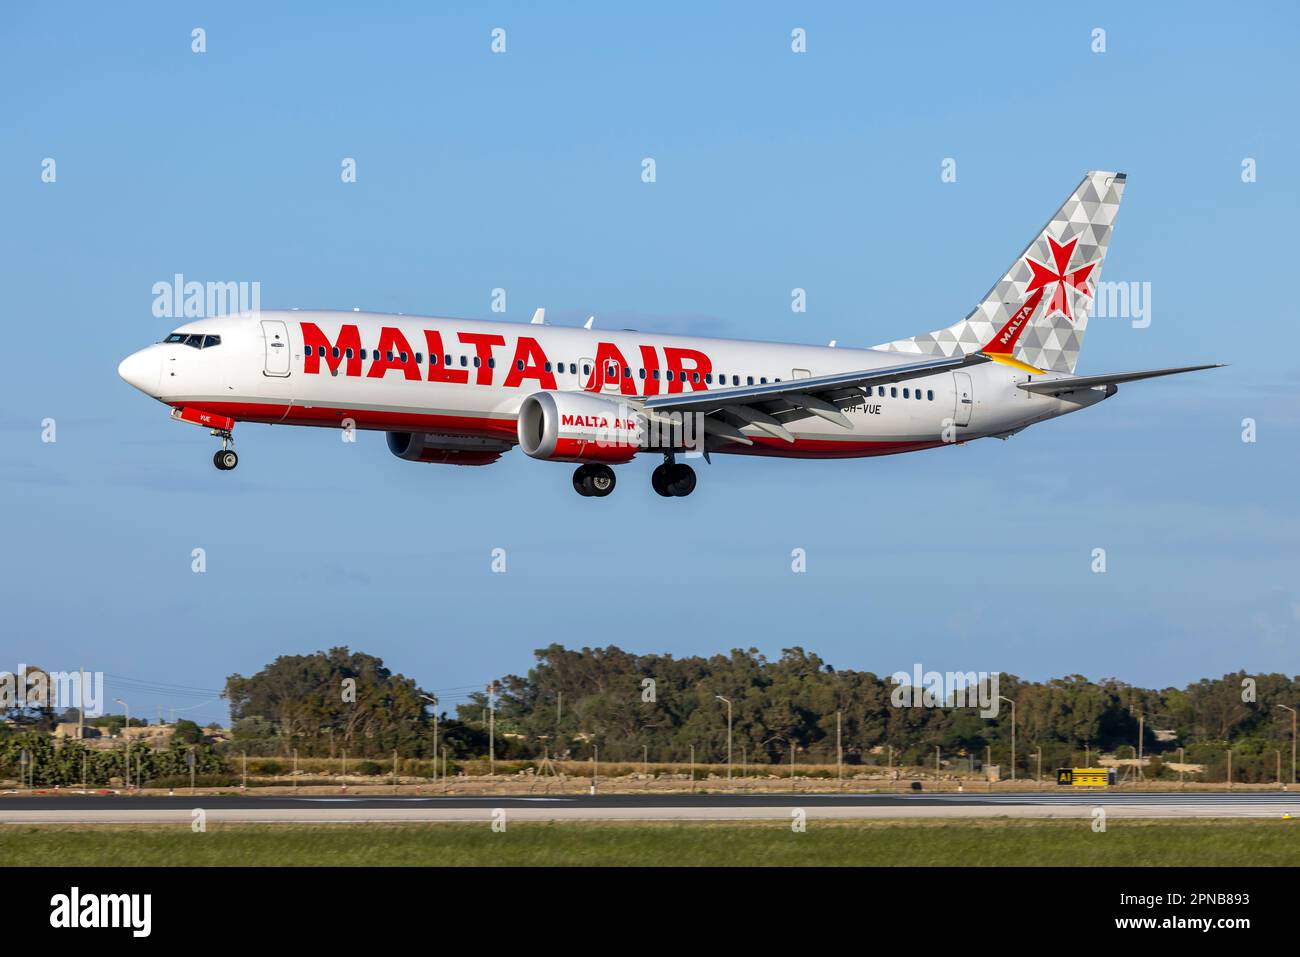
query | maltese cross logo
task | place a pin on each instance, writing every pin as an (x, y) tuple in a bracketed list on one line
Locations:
[(1063, 279)]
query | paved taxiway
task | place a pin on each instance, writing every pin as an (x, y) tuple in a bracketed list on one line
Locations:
[(308, 809)]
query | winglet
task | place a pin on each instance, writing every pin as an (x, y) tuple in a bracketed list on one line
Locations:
[(588, 323), (539, 318)]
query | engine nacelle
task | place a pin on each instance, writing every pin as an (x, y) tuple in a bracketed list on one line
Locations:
[(445, 449), (579, 427)]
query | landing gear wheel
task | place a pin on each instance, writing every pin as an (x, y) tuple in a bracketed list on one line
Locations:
[(225, 459), (659, 480), (673, 480), (681, 480), (593, 480), (600, 480)]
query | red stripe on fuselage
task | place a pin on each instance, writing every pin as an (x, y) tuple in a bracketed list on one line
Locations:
[(826, 448), (481, 426), (368, 419)]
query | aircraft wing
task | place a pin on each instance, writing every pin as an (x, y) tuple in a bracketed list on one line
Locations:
[(770, 405), (1058, 386)]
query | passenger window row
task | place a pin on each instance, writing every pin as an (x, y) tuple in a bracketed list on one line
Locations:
[(559, 367), (908, 393)]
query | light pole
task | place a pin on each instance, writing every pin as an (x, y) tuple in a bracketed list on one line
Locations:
[(1293, 716), (777, 737), (126, 739), (727, 702), (434, 701), (1013, 733), (839, 753), (492, 729)]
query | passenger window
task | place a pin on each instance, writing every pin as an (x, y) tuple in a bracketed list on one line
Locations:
[(419, 358), (462, 361), (446, 360), (492, 363), (918, 393), (477, 362), (763, 380), (708, 377), (363, 353), (519, 364), (907, 394), (348, 354), (388, 356), (893, 392), (334, 351), (627, 373), (695, 377), (670, 375), (586, 369), (929, 394), (881, 393), (641, 372), (749, 380), (656, 374), (547, 367), (573, 368)]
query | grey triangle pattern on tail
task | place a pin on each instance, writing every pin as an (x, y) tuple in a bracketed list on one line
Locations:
[(1052, 341)]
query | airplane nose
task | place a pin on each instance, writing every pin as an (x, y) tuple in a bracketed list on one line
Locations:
[(141, 369)]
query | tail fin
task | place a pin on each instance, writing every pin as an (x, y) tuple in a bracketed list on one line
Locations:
[(1050, 284)]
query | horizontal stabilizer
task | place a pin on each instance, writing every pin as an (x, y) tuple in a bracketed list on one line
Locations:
[(1058, 386)]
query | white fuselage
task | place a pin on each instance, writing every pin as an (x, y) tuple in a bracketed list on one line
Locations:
[(269, 368)]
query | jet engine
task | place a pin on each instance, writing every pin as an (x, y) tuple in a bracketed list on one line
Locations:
[(579, 427), (445, 449)]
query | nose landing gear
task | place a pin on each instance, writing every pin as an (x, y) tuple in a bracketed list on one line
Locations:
[(225, 459), (593, 480)]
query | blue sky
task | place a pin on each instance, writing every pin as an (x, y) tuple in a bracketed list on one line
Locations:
[(522, 171)]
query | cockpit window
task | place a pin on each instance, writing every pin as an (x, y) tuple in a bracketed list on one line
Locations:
[(193, 339)]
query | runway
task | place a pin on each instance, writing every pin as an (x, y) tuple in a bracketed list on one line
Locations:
[(322, 809)]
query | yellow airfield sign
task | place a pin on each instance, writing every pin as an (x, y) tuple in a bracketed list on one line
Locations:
[(1085, 777)]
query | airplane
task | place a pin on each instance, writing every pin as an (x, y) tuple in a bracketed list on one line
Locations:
[(465, 392)]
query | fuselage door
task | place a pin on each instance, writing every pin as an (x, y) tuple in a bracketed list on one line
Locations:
[(965, 398), (613, 379), (800, 374), (277, 347)]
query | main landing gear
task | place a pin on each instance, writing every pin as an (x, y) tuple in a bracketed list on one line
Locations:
[(225, 458), (593, 480), (673, 479)]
